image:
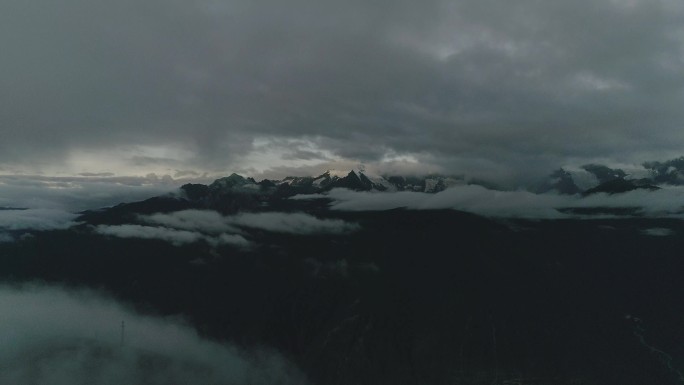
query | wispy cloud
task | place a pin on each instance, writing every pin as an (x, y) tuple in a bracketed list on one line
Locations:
[(293, 223), (64, 337), (207, 221), (193, 220), (174, 236), (658, 232), (190, 226)]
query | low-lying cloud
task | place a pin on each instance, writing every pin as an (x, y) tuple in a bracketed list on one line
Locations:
[(190, 226), (668, 201), (53, 336), (35, 219), (212, 222), (293, 223), (37, 202), (174, 236), (658, 232), (470, 198), (193, 220)]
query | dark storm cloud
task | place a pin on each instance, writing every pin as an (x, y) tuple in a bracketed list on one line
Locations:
[(494, 88)]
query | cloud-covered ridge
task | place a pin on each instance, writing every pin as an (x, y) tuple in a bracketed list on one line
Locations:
[(668, 201)]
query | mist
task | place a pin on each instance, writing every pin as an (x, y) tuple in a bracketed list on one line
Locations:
[(55, 336)]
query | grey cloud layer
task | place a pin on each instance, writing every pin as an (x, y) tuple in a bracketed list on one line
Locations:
[(79, 193), (60, 337), (489, 87)]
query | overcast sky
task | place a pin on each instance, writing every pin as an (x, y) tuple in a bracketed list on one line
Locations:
[(502, 90)]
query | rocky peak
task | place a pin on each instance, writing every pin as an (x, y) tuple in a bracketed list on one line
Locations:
[(560, 181), (232, 181), (621, 185)]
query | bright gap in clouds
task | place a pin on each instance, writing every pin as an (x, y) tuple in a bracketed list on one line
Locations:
[(275, 158), (268, 152), (135, 160)]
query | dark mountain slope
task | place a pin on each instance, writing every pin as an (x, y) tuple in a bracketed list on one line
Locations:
[(435, 297), (619, 185)]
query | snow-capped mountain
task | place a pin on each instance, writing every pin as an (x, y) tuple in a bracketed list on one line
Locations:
[(595, 178), (236, 193), (353, 180), (586, 179)]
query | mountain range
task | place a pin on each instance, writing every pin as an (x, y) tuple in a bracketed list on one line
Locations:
[(596, 178), (236, 193)]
